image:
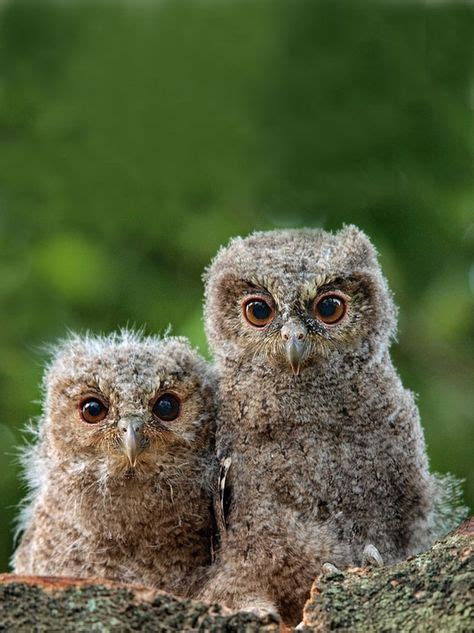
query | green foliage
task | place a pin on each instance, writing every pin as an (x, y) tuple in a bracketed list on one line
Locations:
[(135, 138)]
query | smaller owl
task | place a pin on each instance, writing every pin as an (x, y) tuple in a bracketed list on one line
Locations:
[(120, 470)]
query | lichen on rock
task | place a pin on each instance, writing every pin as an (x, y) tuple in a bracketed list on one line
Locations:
[(61, 604), (429, 592)]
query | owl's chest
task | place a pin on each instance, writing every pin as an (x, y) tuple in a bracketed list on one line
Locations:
[(302, 454)]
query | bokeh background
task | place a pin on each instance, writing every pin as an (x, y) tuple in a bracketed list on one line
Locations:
[(136, 137)]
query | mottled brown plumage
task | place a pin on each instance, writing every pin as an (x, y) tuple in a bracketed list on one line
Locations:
[(327, 451), (127, 497)]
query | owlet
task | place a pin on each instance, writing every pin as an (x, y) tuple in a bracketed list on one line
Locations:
[(326, 452), (119, 473)]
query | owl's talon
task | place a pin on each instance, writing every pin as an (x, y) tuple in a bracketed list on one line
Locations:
[(258, 607), (371, 556), (328, 569)]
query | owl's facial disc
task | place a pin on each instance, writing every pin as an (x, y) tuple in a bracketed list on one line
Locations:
[(131, 437), (297, 329)]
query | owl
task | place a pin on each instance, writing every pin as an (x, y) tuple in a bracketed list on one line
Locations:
[(120, 469), (320, 443)]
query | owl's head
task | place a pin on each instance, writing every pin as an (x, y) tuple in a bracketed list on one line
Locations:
[(298, 298), (125, 405)]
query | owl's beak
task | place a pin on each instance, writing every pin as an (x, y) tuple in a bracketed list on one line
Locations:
[(131, 436), (294, 335)]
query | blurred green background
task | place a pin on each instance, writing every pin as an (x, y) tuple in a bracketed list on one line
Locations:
[(136, 137)]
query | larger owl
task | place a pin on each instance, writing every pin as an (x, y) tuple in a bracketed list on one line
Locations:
[(120, 469), (326, 452)]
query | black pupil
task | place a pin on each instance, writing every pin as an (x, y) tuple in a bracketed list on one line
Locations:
[(94, 408), (327, 307), (166, 408), (260, 310)]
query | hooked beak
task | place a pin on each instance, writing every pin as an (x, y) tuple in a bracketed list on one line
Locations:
[(295, 352), (295, 337), (131, 437)]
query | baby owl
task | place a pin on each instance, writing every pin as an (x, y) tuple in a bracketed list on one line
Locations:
[(119, 474), (326, 452)]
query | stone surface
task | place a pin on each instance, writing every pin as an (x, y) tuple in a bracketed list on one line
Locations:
[(429, 592), (433, 591), (62, 604)]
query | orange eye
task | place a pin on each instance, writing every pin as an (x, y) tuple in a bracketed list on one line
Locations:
[(93, 410), (167, 407), (258, 312), (330, 309)]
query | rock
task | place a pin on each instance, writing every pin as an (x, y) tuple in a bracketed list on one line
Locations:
[(433, 591), (429, 592), (29, 603)]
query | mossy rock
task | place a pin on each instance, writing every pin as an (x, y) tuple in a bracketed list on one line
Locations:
[(429, 592), (433, 591)]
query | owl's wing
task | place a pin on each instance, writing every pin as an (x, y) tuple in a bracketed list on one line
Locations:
[(221, 500)]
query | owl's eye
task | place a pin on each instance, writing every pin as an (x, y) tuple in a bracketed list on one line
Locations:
[(166, 407), (258, 312), (93, 410), (330, 309)]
